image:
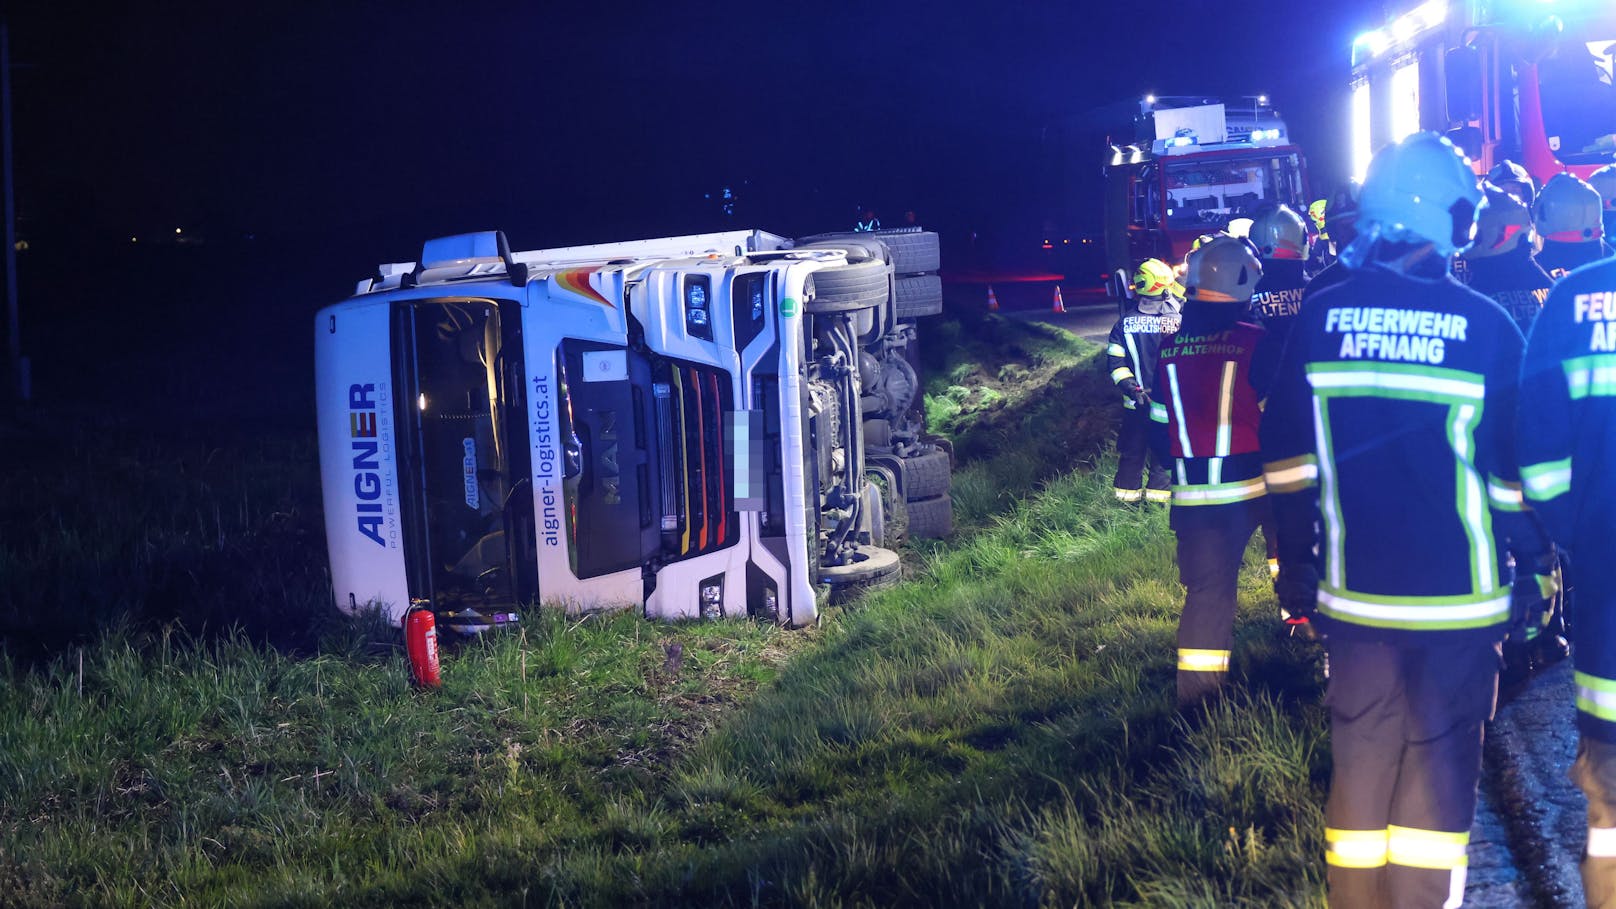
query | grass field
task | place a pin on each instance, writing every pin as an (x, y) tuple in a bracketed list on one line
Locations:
[(996, 731)]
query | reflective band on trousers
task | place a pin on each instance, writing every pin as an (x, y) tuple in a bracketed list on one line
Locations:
[(1129, 495), (1355, 848), (1602, 842), (1203, 660), (1439, 850), (1157, 495)]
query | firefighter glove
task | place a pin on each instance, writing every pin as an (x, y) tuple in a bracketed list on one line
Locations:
[(1297, 588), (1534, 598), (1140, 397)]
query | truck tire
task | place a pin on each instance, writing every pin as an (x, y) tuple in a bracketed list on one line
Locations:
[(864, 284), (913, 251), (877, 567), (931, 517), (918, 295), (926, 476)]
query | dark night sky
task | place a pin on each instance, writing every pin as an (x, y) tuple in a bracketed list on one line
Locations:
[(402, 120)]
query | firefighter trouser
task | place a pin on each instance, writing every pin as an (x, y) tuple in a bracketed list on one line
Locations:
[(1595, 769), (1595, 774), (1211, 546), (1133, 454), (1405, 734)]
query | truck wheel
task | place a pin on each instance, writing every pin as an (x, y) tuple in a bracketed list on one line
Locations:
[(848, 288), (913, 251), (875, 567), (918, 295), (931, 517), (926, 476)]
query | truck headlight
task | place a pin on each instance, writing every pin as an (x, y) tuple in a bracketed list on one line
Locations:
[(710, 596), (697, 322)]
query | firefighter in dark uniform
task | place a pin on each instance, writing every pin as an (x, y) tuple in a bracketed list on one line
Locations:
[(1281, 241), (1280, 238), (1150, 317), (1207, 417), (1320, 251), (1341, 220), (1503, 267), (1568, 217), (1502, 261), (1566, 423), (1390, 432)]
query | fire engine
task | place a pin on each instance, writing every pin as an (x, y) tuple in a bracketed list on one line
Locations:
[(1189, 166), (1527, 80)]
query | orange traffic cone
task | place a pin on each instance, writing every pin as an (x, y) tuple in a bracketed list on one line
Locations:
[(1060, 305), (993, 302)]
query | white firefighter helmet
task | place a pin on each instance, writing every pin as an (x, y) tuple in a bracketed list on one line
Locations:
[(1513, 179), (1603, 181), (1567, 211), (1224, 270), (1503, 223), (1420, 190), (1280, 234)]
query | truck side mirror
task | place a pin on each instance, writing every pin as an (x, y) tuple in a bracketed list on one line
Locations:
[(1463, 83)]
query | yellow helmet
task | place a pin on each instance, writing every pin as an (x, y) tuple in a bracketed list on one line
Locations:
[(1316, 212), (1153, 278)]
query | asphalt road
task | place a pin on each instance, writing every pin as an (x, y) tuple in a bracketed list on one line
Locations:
[(1088, 313)]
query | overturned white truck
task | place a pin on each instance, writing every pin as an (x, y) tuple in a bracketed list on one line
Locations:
[(701, 426)]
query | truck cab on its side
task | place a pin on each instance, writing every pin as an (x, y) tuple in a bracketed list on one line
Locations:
[(675, 424)]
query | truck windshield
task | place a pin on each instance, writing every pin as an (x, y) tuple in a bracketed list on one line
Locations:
[(467, 499), (1205, 193), (645, 462), (1578, 91)]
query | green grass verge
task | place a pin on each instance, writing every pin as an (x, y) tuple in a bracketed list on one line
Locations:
[(998, 731)]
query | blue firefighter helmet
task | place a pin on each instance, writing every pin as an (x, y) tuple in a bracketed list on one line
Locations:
[(1420, 190)]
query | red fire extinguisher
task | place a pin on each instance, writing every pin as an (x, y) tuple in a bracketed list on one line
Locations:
[(421, 643)]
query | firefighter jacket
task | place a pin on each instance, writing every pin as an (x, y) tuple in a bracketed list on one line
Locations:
[(1390, 429), (1559, 259), (1568, 464), (1131, 350), (1207, 415), (1514, 281), (1277, 300), (1330, 277)]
